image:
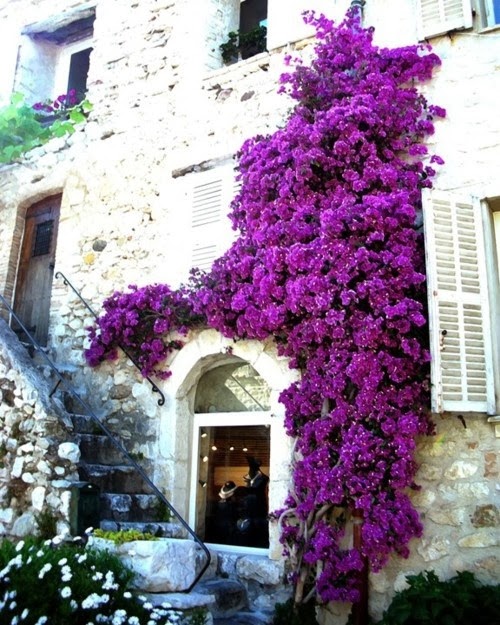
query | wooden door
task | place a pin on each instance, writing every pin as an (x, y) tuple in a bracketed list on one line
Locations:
[(36, 267)]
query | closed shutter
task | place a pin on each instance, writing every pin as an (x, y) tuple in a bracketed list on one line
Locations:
[(461, 367), (211, 231), (436, 17), (285, 23)]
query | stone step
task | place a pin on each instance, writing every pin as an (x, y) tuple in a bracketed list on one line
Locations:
[(85, 424), (131, 506), (245, 618), (111, 479), (158, 528), (99, 449), (230, 596)]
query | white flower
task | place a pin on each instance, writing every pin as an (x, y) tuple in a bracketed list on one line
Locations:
[(66, 573), (56, 540), (20, 545), (62, 561), (148, 605), (45, 569), (42, 620), (73, 604), (81, 557), (24, 614), (39, 554), (127, 595), (13, 605), (66, 592), (133, 620), (97, 576), (15, 620)]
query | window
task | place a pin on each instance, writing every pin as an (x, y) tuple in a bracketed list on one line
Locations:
[(54, 56), (462, 249), (489, 11), (231, 458), (210, 196)]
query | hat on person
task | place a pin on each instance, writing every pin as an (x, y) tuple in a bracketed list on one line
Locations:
[(227, 490)]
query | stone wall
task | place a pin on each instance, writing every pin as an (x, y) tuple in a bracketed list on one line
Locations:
[(37, 461), (164, 106)]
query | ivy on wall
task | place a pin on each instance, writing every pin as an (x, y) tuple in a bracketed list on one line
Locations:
[(329, 261)]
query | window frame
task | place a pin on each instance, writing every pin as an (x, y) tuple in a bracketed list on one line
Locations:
[(226, 419), (63, 62)]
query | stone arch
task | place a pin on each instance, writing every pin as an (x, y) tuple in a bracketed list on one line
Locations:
[(207, 350)]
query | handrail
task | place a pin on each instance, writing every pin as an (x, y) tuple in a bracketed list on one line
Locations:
[(88, 410), (154, 387)]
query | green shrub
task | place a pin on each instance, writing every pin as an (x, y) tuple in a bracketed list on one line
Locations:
[(61, 584), (123, 536), (461, 600)]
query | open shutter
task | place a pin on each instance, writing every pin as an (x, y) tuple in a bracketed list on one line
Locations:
[(211, 233), (436, 17), (285, 23), (462, 366)]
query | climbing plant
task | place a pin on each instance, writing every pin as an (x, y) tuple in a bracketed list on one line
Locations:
[(329, 261), (24, 127)]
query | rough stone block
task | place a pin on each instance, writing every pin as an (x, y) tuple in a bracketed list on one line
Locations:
[(164, 565)]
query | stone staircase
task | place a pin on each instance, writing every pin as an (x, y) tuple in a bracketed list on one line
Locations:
[(125, 501)]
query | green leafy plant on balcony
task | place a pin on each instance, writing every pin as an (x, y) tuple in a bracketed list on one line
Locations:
[(24, 127), (244, 45)]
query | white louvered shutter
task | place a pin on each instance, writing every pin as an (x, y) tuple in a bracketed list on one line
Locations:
[(211, 232), (462, 367), (436, 17), (285, 23)]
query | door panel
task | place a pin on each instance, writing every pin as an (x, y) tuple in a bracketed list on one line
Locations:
[(36, 266)]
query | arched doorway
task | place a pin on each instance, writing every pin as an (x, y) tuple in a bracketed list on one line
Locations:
[(36, 267), (231, 458)]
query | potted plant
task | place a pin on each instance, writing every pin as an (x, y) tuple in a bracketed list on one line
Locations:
[(246, 44)]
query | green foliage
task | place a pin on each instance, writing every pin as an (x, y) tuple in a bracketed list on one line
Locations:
[(289, 613), (57, 584), (462, 600), (198, 616), (23, 128), (46, 523), (162, 512), (123, 536), (248, 44)]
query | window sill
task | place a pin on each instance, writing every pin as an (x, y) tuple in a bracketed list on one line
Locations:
[(259, 61), (488, 29)]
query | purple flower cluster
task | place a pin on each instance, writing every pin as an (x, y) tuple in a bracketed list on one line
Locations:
[(140, 322), (57, 106), (329, 261)]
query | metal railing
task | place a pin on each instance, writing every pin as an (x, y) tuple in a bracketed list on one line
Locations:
[(69, 388), (154, 387)]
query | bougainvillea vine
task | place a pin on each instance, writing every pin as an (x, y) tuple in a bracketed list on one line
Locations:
[(329, 261)]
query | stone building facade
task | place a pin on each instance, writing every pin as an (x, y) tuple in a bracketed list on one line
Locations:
[(167, 118)]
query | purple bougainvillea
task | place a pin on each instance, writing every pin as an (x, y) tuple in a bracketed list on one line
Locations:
[(329, 261)]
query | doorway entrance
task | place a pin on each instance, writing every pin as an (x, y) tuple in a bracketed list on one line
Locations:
[(36, 267)]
